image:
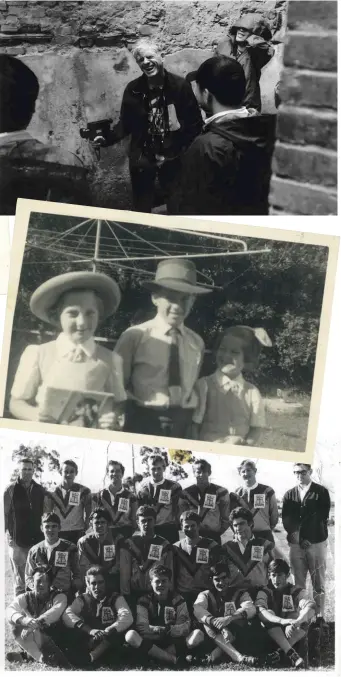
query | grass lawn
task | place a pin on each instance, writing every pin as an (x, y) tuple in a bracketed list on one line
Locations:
[(287, 429), (327, 651)]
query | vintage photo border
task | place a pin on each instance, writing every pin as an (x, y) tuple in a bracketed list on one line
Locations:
[(24, 209)]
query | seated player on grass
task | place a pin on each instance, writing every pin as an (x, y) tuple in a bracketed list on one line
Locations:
[(162, 620), (98, 621), (223, 612), (34, 619), (286, 611), (100, 548)]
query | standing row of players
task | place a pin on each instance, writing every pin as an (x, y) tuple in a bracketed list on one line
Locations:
[(126, 560)]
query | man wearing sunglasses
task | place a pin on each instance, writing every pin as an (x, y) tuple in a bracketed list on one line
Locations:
[(305, 515)]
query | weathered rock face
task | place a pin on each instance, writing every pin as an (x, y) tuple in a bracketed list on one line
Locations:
[(81, 53)]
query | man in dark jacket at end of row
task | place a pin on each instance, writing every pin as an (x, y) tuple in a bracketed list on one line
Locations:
[(23, 509), (227, 168)]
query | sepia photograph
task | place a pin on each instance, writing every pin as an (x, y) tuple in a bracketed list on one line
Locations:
[(185, 330), (179, 108), (234, 571)]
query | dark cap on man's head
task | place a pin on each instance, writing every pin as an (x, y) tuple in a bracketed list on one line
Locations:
[(223, 77)]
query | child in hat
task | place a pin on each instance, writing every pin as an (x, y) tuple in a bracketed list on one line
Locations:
[(75, 303), (231, 409), (160, 359)]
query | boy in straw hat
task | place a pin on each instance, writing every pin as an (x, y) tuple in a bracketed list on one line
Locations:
[(231, 409), (74, 303), (161, 358)]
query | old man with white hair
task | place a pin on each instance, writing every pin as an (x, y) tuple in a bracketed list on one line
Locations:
[(160, 112)]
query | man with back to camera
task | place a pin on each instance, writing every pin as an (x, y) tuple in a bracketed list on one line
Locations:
[(226, 170), (23, 510), (160, 112), (305, 514), (28, 167)]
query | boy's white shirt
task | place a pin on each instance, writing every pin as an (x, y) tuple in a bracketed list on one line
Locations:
[(190, 352), (49, 547)]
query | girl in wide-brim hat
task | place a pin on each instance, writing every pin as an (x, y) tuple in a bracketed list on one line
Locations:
[(75, 303)]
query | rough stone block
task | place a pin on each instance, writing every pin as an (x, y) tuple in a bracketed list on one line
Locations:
[(307, 126), (146, 31), (309, 89), (10, 28), (15, 51), (312, 15), (306, 163), (30, 28), (298, 198), (314, 52)]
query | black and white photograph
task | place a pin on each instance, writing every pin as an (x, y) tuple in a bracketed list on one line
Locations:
[(179, 108), (237, 586), (167, 328)]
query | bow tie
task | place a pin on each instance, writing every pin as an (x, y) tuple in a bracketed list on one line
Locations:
[(233, 386), (76, 355)]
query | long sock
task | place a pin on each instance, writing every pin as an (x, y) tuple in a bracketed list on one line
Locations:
[(227, 648), (161, 654), (279, 637), (30, 645), (216, 654)]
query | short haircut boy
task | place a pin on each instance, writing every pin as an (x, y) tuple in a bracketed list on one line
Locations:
[(146, 511), (224, 78), (72, 464), (160, 570), (112, 462), (279, 566), (100, 512), (190, 515), (50, 517), (242, 513), (204, 465)]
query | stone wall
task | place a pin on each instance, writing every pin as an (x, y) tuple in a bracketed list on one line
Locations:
[(81, 53), (305, 158)]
